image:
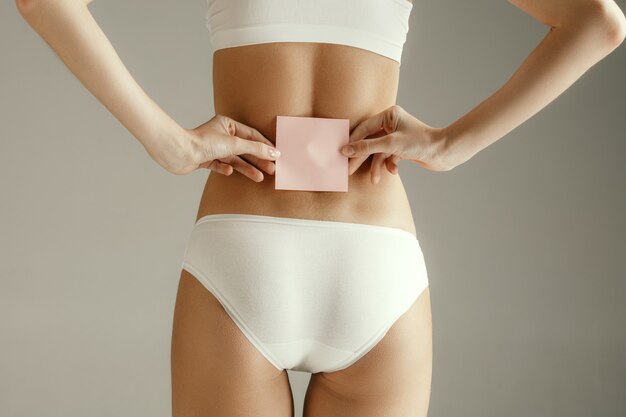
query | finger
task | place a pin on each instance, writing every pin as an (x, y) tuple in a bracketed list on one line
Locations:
[(383, 161), (264, 164), (375, 168), (391, 167), (371, 126), (378, 165), (374, 172), (394, 159), (260, 150), (246, 169), (366, 147), (251, 141), (244, 131), (355, 163), (359, 160), (226, 169), (368, 127), (217, 166), (204, 165)]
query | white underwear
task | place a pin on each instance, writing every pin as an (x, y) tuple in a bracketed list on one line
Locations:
[(310, 295)]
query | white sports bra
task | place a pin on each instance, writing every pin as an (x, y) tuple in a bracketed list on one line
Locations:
[(379, 26)]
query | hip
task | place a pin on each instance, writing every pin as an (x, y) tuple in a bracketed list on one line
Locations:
[(312, 296), (382, 204)]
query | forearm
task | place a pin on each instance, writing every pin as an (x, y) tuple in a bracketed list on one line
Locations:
[(70, 30), (565, 54)]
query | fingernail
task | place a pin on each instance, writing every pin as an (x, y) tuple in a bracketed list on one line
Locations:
[(376, 179), (347, 150), (274, 153)]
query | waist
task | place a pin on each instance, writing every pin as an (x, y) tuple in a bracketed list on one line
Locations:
[(253, 84), (383, 204)]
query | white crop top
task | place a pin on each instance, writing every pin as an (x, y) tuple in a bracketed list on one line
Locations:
[(379, 26)]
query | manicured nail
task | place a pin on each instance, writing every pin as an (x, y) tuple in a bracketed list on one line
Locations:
[(274, 153), (347, 150)]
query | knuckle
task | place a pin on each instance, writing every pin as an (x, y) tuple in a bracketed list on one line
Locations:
[(258, 148), (396, 108), (391, 118), (362, 147), (222, 118), (229, 124)]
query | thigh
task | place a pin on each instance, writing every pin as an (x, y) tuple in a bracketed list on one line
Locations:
[(392, 379), (216, 371)]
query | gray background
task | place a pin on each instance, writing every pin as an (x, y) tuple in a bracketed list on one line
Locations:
[(524, 243)]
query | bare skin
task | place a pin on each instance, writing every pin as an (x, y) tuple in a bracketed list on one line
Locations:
[(305, 79), (215, 370), (254, 94)]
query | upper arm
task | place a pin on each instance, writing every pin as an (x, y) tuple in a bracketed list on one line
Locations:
[(557, 13), (25, 6)]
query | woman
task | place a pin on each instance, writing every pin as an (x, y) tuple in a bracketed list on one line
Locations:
[(330, 282)]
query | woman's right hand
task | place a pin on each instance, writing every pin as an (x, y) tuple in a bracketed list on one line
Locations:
[(221, 144)]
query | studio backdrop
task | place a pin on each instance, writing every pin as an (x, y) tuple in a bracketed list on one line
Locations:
[(524, 243)]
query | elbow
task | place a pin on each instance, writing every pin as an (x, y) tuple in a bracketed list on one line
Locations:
[(611, 19), (25, 7), (617, 30)]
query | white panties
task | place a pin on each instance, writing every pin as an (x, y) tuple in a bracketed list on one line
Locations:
[(310, 295)]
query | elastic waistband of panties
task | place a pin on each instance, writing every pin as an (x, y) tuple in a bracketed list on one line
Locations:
[(245, 217)]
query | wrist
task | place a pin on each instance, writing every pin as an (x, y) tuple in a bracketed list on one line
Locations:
[(171, 147), (442, 153), (455, 147)]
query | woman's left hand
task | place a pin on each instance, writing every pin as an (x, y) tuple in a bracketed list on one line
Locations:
[(392, 135)]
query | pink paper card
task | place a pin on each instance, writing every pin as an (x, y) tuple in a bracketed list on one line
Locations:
[(310, 157)]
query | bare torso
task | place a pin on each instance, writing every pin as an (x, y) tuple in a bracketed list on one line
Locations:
[(255, 83)]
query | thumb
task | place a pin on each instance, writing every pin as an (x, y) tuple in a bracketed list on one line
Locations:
[(365, 147), (258, 149)]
